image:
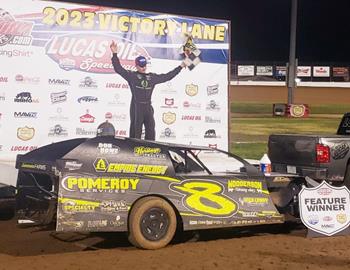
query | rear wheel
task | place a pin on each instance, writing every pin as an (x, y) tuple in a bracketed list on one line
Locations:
[(152, 223)]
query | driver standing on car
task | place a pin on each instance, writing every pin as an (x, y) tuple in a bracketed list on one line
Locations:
[(141, 85)]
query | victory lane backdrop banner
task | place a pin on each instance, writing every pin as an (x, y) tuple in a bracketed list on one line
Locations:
[(57, 81)]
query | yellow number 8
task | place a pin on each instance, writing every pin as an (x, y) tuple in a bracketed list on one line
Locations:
[(206, 198)]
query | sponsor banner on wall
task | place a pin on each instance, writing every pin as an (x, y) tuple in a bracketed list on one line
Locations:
[(264, 70), (57, 81), (245, 70), (340, 71), (281, 71), (304, 71), (321, 71), (298, 110)]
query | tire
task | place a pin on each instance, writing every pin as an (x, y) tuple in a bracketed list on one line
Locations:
[(152, 223)]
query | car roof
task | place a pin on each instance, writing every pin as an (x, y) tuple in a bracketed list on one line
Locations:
[(167, 144)]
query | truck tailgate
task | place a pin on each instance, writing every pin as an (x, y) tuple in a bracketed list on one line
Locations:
[(293, 149)]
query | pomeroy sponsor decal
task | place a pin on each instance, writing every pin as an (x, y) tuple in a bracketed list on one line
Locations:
[(102, 165), (206, 198), (100, 184)]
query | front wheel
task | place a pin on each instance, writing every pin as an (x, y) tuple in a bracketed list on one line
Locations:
[(152, 223)]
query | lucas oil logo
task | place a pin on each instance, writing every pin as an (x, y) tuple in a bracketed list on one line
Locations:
[(14, 32), (91, 53)]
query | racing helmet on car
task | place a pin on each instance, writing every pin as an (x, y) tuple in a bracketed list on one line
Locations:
[(105, 129)]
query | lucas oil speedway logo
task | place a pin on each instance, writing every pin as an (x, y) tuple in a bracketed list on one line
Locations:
[(91, 53)]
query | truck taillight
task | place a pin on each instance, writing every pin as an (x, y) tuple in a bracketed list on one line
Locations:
[(322, 153)]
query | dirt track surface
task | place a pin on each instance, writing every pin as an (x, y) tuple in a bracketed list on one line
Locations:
[(263, 247)]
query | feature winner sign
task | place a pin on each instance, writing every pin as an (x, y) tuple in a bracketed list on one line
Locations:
[(57, 80), (325, 209)]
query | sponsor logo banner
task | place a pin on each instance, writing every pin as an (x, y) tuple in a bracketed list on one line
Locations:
[(245, 70), (321, 71), (264, 70), (281, 71), (25, 133), (14, 32), (57, 55), (169, 118), (340, 71), (304, 71)]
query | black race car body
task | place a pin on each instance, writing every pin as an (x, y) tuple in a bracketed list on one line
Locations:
[(94, 185)]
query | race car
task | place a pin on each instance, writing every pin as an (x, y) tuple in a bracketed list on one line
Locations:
[(148, 189)]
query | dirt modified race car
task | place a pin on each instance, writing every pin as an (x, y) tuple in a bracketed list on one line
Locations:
[(147, 189)]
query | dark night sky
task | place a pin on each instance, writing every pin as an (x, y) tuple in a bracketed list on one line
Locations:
[(260, 29)]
